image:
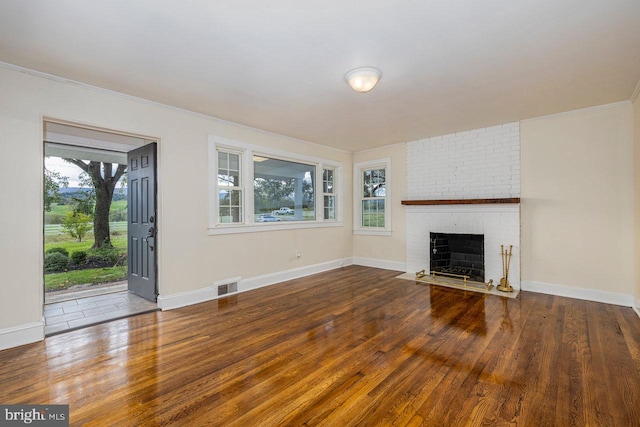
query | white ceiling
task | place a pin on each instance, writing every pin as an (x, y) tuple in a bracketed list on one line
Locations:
[(447, 66)]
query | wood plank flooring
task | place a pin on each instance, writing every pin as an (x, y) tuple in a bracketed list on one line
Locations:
[(353, 346)]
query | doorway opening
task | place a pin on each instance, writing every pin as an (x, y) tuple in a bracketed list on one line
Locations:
[(87, 227)]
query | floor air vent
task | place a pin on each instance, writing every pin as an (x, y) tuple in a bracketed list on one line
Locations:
[(227, 288)]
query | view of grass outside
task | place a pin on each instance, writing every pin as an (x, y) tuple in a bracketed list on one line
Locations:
[(372, 219), (373, 213), (56, 237), (72, 254)]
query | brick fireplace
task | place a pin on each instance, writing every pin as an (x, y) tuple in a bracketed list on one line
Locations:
[(470, 183), (499, 224)]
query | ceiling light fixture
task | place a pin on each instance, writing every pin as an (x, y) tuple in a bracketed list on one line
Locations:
[(363, 79)]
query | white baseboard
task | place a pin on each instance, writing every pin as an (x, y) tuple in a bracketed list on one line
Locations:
[(21, 335), (184, 299), (579, 293), (283, 276), (636, 307), (169, 302), (380, 263)]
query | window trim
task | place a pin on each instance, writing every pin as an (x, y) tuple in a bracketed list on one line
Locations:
[(249, 225), (358, 169), (241, 187), (333, 194)]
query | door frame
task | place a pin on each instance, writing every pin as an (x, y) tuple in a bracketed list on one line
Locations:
[(75, 140)]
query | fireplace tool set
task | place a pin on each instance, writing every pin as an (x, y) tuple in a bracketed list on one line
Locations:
[(504, 285)]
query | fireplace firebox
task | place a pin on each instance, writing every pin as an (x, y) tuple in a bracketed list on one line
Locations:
[(461, 254)]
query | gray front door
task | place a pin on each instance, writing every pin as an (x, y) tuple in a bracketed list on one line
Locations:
[(142, 221)]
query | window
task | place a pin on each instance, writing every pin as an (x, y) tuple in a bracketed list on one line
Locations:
[(255, 189), (372, 207), (229, 187), (373, 198), (328, 177), (283, 190)]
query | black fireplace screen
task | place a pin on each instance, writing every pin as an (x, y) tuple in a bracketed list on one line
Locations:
[(461, 254)]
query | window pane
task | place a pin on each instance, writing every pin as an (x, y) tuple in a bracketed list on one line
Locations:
[(373, 182), (373, 213), (284, 190), (234, 162), (230, 208), (327, 181), (228, 179), (236, 214), (366, 190), (225, 215), (329, 207), (224, 197), (380, 213), (235, 198), (229, 200), (223, 162)]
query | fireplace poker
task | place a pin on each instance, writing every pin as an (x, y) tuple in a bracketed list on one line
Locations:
[(504, 285)]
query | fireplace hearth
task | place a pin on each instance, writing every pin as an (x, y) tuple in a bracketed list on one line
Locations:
[(460, 254)]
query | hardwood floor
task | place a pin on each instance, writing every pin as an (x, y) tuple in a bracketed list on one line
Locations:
[(353, 346)]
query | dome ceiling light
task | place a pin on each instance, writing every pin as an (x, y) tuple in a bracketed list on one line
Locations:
[(363, 79)]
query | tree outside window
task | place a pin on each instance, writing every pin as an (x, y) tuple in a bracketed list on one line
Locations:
[(373, 198)]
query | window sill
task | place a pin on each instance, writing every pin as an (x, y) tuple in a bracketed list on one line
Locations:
[(363, 232), (258, 228)]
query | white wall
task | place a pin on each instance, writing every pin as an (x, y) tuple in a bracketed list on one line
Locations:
[(577, 203), (189, 259)]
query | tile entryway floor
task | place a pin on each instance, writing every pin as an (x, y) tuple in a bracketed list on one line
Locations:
[(76, 313)]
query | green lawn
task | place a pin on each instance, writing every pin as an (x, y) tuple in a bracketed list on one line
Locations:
[(64, 280), (64, 241), (55, 237), (59, 281), (57, 213), (118, 205), (373, 219)]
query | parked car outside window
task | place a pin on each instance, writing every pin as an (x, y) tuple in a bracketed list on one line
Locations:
[(268, 218)]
